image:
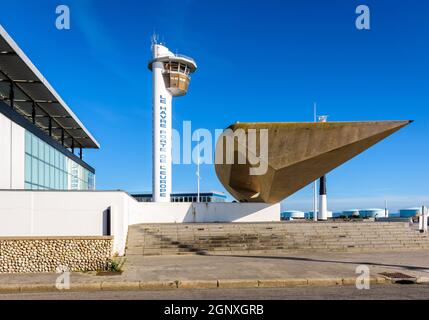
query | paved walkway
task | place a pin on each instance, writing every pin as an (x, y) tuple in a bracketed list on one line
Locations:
[(233, 271), (302, 265)]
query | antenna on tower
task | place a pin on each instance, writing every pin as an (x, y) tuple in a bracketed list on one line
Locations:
[(198, 170), (154, 39)]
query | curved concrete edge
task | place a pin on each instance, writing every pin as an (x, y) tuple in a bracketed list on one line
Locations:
[(187, 284), (422, 280)]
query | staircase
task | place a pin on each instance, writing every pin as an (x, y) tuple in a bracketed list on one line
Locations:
[(272, 238)]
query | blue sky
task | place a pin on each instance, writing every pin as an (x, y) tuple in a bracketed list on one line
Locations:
[(258, 61)]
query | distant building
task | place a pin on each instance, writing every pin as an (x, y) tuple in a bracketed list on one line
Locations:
[(292, 215), (372, 213), (185, 197), (410, 212)]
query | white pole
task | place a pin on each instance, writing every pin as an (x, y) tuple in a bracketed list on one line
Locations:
[(323, 201), (315, 182), (198, 170)]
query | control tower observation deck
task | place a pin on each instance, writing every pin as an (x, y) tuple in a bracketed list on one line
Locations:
[(171, 78)]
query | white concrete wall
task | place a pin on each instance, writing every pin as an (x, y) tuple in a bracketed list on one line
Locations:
[(147, 212), (12, 154), (56, 213), (82, 213)]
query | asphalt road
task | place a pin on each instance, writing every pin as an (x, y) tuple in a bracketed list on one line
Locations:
[(381, 292)]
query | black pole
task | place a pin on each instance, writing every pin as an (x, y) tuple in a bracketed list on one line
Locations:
[(80, 153), (33, 113), (50, 126), (322, 190), (72, 146)]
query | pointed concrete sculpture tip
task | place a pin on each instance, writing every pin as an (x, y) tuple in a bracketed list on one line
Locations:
[(296, 154)]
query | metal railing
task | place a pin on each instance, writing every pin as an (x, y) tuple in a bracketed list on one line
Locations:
[(185, 57)]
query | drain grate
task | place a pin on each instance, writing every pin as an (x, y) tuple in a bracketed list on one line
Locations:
[(398, 277)]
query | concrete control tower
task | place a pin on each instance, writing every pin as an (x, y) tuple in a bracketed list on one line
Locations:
[(171, 78)]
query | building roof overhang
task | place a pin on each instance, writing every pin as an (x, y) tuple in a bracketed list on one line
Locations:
[(22, 85)]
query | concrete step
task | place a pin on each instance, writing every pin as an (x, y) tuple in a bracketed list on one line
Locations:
[(271, 237)]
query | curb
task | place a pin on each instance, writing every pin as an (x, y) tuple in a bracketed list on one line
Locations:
[(187, 284)]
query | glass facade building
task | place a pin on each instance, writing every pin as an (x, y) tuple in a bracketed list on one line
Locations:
[(46, 168), (39, 133)]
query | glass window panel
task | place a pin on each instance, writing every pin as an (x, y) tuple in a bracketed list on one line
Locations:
[(57, 159), (60, 186), (46, 170), (69, 181), (41, 173), (89, 181), (34, 146), (57, 179), (34, 171), (47, 149), (65, 181), (62, 162), (27, 186), (41, 154), (52, 155), (28, 142), (27, 168), (51, 177)]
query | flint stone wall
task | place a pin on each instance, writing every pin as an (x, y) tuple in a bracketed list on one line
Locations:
[(47, 254)]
